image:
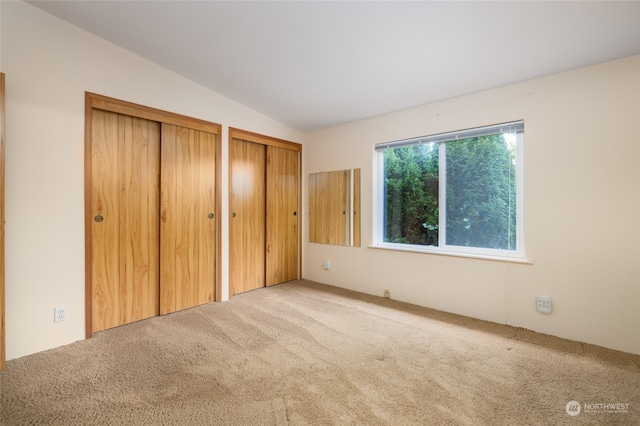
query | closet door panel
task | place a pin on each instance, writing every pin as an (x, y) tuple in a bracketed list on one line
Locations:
[(125, 204), (247, 222), (282, 215), (187, 230)]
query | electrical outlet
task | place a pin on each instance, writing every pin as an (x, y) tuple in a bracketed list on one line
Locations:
[(387, 294), (543, 303), (59, 314), (326, 265)]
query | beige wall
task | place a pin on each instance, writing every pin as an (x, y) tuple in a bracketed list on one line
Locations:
[(582, 187), (49, 64), (582, 143)]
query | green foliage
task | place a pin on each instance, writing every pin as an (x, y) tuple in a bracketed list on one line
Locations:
[(481, 197), (481, 207), (411, 195)]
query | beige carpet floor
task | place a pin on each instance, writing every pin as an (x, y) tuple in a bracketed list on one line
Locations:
[(304, 353)]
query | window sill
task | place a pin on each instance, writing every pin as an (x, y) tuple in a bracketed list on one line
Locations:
[(413, 249)]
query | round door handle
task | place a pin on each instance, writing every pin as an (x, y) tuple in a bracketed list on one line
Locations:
[(295, 213), (99, 218), (233, 214), (211, 215)]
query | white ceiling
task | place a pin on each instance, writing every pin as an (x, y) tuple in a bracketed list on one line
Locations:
[(313, 65)]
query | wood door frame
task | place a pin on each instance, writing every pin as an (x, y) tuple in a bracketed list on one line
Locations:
[(235, 133), (95, 101)]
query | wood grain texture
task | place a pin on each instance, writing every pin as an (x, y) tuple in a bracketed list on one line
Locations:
[(315, 224), (356, 218), (125, 247), (2, 249), (97, 297), (282, 216), (88, 218), (139, 240), (328, 207), (105, 250), (263, 140), (247, 203), (338, 207), (106, 103), (188, 235)]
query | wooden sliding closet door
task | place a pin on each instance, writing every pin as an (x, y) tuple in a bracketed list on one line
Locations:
[(125, 173), (282, 215), (247, 164), (151, 212), (264, 204), (188, 231)]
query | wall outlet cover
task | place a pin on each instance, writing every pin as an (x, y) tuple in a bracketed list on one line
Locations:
[(59, 314), (543, 304)]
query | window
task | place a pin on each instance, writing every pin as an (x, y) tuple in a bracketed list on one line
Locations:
[(454, 193)]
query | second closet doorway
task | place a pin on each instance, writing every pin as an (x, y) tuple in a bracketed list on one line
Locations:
[(264, 223)]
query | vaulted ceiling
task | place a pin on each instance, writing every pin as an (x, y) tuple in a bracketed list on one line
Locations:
[(313, 64)]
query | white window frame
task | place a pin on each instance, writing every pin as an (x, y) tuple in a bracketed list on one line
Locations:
[(444, 249)]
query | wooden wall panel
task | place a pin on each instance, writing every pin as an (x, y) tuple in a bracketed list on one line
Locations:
[(328, 197), (337, 197), (355, 223), (315, 218)]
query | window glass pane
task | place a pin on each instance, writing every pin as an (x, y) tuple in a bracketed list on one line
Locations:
[(410, 192), (481, 192)]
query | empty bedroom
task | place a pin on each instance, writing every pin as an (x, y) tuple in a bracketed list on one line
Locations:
[(319, 213)]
